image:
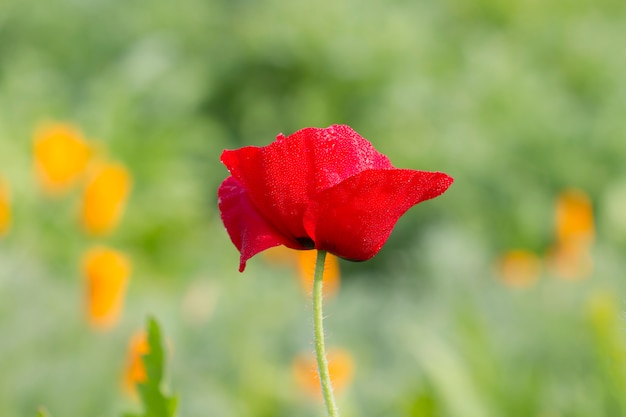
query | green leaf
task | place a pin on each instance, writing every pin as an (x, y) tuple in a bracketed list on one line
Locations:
[(155, 402)]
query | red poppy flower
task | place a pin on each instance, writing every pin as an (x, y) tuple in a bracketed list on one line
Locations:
[(325, 189)]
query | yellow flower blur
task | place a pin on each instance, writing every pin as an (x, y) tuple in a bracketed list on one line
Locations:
[(519, 268), (105, 198), (135, 372), (61, 155), (106, 274), (5, 207), (306, 270), (574, 218), (571, 256), (340, 368)]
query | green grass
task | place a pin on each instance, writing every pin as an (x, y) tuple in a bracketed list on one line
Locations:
[(517, 101)]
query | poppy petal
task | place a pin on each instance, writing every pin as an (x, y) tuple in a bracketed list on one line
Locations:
[(247, 229), (354, 219), (283, 177)]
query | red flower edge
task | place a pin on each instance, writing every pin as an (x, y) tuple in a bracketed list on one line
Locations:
[(327, 189)]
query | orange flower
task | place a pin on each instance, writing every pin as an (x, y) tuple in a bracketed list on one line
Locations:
[(571, 256), (135, 371), (107, 272), (306, 270), (5, 207), (105, 198), (61, 155), (340, 368), (519, 268), (574, 218)]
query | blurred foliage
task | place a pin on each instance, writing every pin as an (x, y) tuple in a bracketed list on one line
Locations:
[(42, 413), (516, 100)]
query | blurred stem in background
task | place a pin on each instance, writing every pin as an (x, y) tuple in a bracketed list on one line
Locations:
[(320, 351)]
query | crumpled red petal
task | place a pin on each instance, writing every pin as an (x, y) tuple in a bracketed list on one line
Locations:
[(283, 177), (354, 219), (249, 232)]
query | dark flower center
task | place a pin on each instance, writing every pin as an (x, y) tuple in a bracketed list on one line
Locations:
[(306, 242)]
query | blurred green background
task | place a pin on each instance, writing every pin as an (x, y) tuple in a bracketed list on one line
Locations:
[(516, 100)]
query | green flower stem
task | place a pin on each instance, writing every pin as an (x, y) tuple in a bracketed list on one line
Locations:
[(320, 351)]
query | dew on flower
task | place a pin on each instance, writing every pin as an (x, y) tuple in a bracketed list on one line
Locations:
[(104, 198), (269, 199), (5, 206), (106, 272), (61, 155)]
